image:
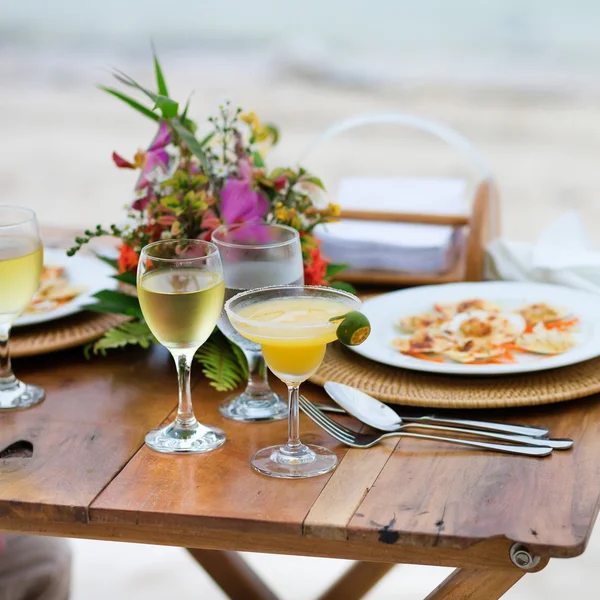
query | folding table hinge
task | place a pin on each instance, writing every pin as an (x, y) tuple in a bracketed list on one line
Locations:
[(522, 558)]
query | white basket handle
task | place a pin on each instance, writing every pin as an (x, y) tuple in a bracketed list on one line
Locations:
[(439, 130)]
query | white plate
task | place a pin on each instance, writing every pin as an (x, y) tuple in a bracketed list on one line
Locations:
[(385, 310), (86, 271)]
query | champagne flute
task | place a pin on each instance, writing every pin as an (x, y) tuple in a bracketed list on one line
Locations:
[(256, 255), (181, 289), (293, 324), (21, 261)]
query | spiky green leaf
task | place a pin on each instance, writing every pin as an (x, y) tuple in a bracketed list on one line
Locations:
[(191, 142), (169, 108), (132, 333), (220, 363), (131, 102), (160, 79)]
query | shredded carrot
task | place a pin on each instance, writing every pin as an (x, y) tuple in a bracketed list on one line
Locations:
[(562, 324), (509, 347), (529, 328), (425, 357)]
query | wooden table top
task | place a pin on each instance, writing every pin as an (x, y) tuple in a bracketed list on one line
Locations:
[(403, 501)]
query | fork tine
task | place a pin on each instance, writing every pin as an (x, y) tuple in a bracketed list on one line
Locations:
[(321, 419), (326, 427), (332, 427)]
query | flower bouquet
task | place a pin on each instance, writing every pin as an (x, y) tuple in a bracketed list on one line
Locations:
[(187, 186)]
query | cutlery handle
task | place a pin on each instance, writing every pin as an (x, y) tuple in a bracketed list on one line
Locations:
[(489, 425), (526, 430), (522, 450), (556, 444)]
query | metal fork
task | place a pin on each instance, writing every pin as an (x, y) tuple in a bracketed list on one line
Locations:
[(367, 440), (555, 443)]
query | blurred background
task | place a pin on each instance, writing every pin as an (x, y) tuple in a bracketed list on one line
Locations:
[(519, 78)]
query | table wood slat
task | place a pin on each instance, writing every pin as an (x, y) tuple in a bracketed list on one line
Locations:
[(92, 422), (218, 490), (436, 495)]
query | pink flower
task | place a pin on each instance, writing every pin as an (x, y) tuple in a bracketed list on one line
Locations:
[(238, 201), (155, 157)]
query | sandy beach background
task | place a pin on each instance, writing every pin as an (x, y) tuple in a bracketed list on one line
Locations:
[(518, 78)]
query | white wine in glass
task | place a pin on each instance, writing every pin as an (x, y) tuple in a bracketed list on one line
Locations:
[(181, 290), (21, 260)]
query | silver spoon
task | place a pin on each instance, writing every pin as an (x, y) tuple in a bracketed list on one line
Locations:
[(378, 415)]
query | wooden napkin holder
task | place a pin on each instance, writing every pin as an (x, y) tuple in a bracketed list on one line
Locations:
[(479, 228)]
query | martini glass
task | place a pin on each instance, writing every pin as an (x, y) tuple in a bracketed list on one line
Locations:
[(292, 325), (181, 289), (256, 255)]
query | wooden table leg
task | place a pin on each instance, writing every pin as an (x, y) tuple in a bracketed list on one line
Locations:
[(357, 581), (476, 584), (232, 574)]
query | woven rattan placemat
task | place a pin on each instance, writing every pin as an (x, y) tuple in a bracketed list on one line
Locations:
[(61, 334), (413, 388)]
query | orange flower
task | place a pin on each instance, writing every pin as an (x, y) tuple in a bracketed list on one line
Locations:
[(128, 259), (315, 268)]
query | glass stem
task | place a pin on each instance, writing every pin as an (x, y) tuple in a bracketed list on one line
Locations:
[(185, 413), (294, 445), (257, 374), (7, 377)]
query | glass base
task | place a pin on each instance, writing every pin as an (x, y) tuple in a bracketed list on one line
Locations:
[(309, 461), (20, 395), (177, 439), (253, 409)]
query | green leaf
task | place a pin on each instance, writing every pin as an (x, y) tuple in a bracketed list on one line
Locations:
[(134, 332), (192, 143), (333, 269), (116, 302), (126, 277), (169, 108), (314, 180), (126, 80), (221, 364), (206, 139), (185, 110), (258, 160), (160, 80), (342, 285), (241, 358), (109, 261), (273, 132), (133, 103)]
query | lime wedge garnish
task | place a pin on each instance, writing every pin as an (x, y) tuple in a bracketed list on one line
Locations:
[(354, 328)]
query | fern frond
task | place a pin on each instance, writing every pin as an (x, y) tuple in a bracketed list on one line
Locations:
[(221, 363), (133, 332)]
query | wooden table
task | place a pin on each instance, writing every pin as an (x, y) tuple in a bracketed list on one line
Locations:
[(411, 501)]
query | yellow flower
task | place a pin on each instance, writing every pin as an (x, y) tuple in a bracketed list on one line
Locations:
[(282, 214), (335, 209), (251, 119)]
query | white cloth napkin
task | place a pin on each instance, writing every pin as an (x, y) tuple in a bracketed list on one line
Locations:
[(563, 254), (394, 246)]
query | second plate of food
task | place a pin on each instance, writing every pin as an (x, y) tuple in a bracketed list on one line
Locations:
[(486, 328)]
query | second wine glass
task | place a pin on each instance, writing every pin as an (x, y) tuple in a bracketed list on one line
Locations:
[(180, 288), (256, 255)]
